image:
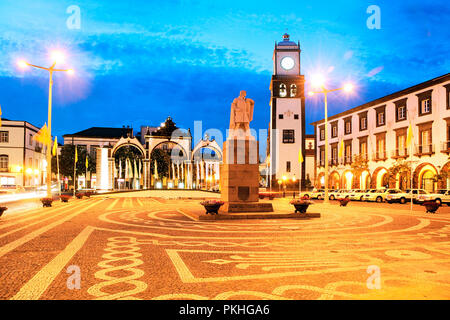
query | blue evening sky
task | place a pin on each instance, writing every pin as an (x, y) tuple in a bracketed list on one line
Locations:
[(139, 61)]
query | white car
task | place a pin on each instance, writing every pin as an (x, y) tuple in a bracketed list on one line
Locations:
[(379, 195), (357, 195), (314, 194), (442, 196), (333, 194), (405, 196)]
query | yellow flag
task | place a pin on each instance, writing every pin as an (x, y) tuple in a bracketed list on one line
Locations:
[(0, 116), (341, 149), (55, 146), (87, 161), (76, 154), (409, 137), (43, 136), (300, 156)]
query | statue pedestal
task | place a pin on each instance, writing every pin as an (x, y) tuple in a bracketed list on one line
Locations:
[(239, 176)]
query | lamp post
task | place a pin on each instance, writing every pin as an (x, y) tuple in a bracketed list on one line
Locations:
[(319, 82), (57, 57)]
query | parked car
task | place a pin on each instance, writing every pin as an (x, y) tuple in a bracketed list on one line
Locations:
[(12, 188), (333, 194), (314, 194), (345, 194), (357, 195), (379, 195), (405, 196), (442, 196)]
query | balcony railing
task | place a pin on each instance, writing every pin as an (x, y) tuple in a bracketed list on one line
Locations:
[(426, 149), (445, 146), (400, 153), (348, 159), (379, 156)]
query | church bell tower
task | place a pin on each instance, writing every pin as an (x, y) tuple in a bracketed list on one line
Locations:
[(287, 114)]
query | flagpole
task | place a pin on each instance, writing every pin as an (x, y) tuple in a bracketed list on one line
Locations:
[(57, 166), (75, 171)]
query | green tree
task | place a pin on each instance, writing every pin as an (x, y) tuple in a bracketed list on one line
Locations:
[(67, 158), (401, 169)]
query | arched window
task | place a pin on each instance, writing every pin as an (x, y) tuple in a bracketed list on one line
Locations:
[(4, 162), (293, 90), (283, 91)]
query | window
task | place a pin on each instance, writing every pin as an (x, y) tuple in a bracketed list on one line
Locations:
[(363, 147), (288, 136), (334, 154), (280, 116), (425, 106), (293, 90), (447, 87), (30, 139), (334, 129), (288, 166), (401, 143), (425, 102), (322, 133), (348, 125), (283, 91), (295, 116), (4, 162), (348, 152), (4, 136), (363, 121), (400, 110), (381, 146), (381, 116)]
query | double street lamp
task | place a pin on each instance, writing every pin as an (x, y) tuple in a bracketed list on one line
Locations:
[(318, 82), (57, 57)]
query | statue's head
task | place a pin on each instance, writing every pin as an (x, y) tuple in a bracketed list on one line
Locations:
[(243, 93)]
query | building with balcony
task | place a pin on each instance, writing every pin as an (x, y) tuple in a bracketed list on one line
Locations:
[(22, 159), (367, 141)]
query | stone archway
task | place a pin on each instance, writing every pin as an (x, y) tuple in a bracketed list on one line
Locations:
[(364, 180), (424, 177), (444, 181), (320, 181), (168, 165), (334, 181), (347, 179), (378, 179), (206, 159)]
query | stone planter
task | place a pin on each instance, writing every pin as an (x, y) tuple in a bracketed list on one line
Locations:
[(2, 210), (343, 202), (46, 202), (301, 205), (79, 195), (65, 198), (431, 206), (212, 207)]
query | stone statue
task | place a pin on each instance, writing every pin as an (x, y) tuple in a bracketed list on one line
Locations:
[(241, 115)]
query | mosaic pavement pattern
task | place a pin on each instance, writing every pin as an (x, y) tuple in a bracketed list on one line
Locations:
[(147, 248)]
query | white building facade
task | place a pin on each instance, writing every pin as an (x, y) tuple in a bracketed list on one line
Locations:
[(377, 133), (22, 159)]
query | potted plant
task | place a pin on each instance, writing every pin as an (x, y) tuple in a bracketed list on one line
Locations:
[(302, 204), (344, 201), (431, 206), (2, 209), (47, 202), (212, 206), (65, 198), (79, 195), (88, 194)]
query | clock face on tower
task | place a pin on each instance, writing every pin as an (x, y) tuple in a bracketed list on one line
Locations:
[(287, 63)]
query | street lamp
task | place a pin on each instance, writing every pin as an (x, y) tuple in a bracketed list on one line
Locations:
[(318, 82), (57, 57)]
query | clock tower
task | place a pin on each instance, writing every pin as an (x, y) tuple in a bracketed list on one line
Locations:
[(287, 114)]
